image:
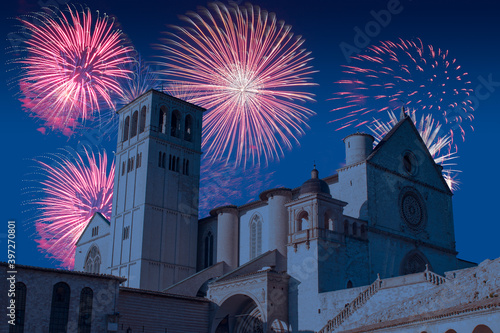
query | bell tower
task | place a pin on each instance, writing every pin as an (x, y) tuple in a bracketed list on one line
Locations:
[(154, 222)]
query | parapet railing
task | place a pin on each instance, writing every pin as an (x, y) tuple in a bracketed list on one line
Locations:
[(433, 277), (350, 308)]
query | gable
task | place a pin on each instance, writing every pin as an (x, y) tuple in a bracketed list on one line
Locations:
[(97, 221), (403, 151)]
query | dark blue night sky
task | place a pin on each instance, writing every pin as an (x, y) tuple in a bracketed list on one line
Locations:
[(470, 30)]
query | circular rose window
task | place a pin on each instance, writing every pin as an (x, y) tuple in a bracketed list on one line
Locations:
[(412, 208)]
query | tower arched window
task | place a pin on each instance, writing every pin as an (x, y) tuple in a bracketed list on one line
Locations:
[(85, 315), (303, 221), (59, 308), (133, 127), (177, 165), (209, 250), (328, 222), (20, 299), (354, 229), (349, 284), (162, 123), (163, 160), (175, 125), (188, 128), (173, 163), (255, 236), (126, 126), (93, 260), (187, 167), (346, 227), (142, 120)]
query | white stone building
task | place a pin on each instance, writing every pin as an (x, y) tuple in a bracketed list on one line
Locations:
[(370, 248)]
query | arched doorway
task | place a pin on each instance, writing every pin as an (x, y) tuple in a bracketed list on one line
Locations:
[(239, 314)]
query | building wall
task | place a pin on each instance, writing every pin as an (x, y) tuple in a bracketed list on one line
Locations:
[(244, 220), (151, 312), (39, 286), (87, 241)]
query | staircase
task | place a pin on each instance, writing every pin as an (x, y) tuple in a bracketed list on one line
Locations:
[(362, 298)]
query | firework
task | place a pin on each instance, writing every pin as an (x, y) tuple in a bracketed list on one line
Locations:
[(219, 181), (71, 67), (71, 192), (419, 76), (141, 79), (429, 130), (246, 68)]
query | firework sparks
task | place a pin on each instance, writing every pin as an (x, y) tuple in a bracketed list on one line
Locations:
[(246, 68), (219, 181), (141, 79), (72, 192), (429, 130), (422, 77), (72, 65)]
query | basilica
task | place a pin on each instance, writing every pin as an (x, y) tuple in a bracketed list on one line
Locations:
[(368, 249)]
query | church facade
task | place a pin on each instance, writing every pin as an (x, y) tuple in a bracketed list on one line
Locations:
[(370, 248)]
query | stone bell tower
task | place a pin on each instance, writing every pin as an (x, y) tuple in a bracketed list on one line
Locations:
[(154, 223)]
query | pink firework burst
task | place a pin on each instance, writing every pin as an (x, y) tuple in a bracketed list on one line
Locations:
[(249, 71), (420, 76), (72, 192), (71, 67)]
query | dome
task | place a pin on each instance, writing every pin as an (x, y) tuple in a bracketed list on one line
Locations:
[(314, 185)]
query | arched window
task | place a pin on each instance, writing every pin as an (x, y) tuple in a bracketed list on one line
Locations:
[(329, 223), (346, 227), (175, 125), (349, 284), (255, 236), (133, 128), (20, 299), (164, 160), (93, 260), (142, 120), (177, 165), (85, 315), (363, 230), (59, 308), (413, 262), (482, 329), (303, 221), (355, 229), (188, 128), (125, 128), (187, 167), (162, 123), (209, 249), (173, 163)]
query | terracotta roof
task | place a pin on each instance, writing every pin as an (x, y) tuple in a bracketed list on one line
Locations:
[(161, 92), (162, 294), (64, 271), (453, 311)]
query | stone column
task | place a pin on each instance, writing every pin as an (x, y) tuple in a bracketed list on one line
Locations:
[(227, 234), (278, 217)]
